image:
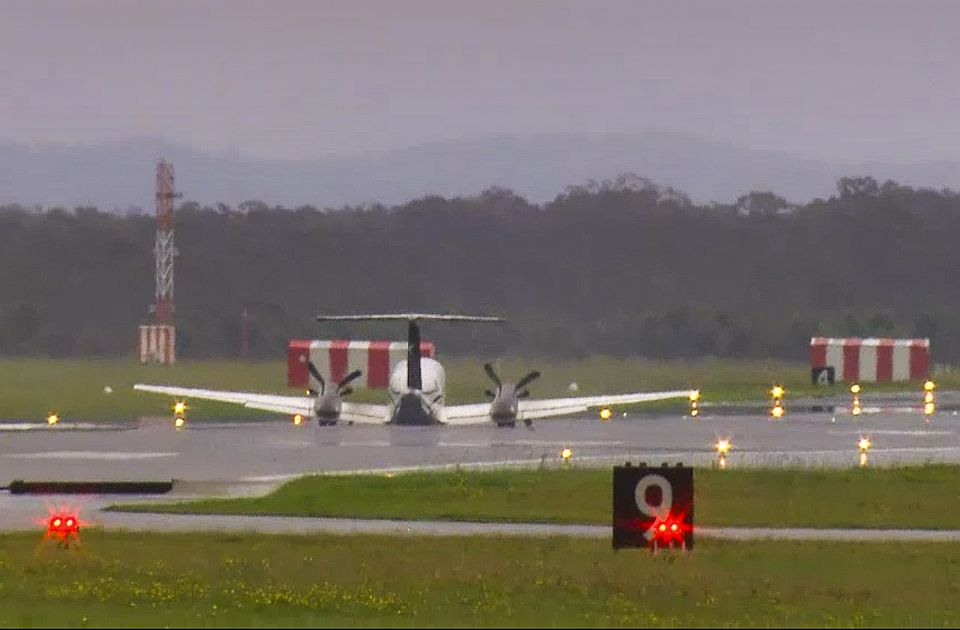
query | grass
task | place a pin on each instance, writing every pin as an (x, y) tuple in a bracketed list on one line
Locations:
[(721, 380), (157, 580), (74, 387), (915, 497)]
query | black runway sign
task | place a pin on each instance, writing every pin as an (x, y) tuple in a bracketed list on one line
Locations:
[(90, 487), (652, 507)]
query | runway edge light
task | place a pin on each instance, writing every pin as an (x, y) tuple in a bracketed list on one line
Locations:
[(776, 393), (179, 413), (929, 405), (855, 408), (723, 446), (863, 445), (694, 403)]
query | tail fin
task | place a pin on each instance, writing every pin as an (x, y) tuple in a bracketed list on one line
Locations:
[(414, 375), (414, 378)]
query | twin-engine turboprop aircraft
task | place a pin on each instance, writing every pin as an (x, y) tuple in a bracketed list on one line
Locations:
[(416, 391)]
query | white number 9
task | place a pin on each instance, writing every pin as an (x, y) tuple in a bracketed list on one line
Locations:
[(659, 512)]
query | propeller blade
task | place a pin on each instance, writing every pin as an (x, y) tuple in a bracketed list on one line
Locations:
[(529, 378), (523, 393), (346, 391), (315, 373), (312, 392), (489, 394), (493, 375), (352, 376)]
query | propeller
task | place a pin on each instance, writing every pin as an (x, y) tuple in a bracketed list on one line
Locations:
[(343, 388), (488, 368), (328, 404), (522, 393), (518, 388), (516, 391), (526, 380), (315, 373)]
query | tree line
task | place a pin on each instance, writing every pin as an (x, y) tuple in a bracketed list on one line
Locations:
[(624, 267)]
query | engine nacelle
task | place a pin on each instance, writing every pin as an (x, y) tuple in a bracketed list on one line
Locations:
[(326, 408)]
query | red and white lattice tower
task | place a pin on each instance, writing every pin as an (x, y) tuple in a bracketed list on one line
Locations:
[(158, 339), (164, 249)]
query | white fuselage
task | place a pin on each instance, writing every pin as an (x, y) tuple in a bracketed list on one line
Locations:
[(429, 398)]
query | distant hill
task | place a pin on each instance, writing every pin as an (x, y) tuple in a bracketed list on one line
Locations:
[(119, 175)]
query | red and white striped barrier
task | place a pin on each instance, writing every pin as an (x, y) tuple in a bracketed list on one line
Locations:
[(871, 360), (337, 358), (158, 343)]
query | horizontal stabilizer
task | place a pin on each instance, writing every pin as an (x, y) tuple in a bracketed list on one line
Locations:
[(407, 317)]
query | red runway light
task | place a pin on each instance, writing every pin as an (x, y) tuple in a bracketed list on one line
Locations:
[(670, 530), (62, 524)]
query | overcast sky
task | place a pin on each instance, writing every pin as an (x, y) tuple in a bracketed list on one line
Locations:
[(839, 80)]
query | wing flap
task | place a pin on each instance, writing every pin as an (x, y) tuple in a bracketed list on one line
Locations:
[(377, 414), (305, 409), (465, 415), (553, 411)]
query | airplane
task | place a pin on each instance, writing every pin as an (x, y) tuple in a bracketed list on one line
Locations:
[(416, 390)]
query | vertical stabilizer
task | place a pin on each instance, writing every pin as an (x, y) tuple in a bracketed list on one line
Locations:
[(414, 375), (414, 378)]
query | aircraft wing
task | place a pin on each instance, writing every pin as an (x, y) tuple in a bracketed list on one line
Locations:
[(353, 413), (358, 413), (548, 412), (364, 413), (465, 415), (531, 409), (265, 402), (479, 413)]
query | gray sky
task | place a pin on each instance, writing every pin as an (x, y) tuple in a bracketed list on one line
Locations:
[(836, 80)]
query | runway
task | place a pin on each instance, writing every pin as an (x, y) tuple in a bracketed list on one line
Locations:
[(275, 449), (220, 458)]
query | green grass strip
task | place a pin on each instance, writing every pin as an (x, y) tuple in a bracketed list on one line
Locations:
[(911, 497), (217, 580)]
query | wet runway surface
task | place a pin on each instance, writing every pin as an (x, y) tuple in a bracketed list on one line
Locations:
[(273, 450), (251, 458)]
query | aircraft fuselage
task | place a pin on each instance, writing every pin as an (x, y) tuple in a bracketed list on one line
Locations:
[(417, 407)]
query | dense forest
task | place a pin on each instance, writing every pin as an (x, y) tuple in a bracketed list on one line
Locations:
[(622, 267)]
